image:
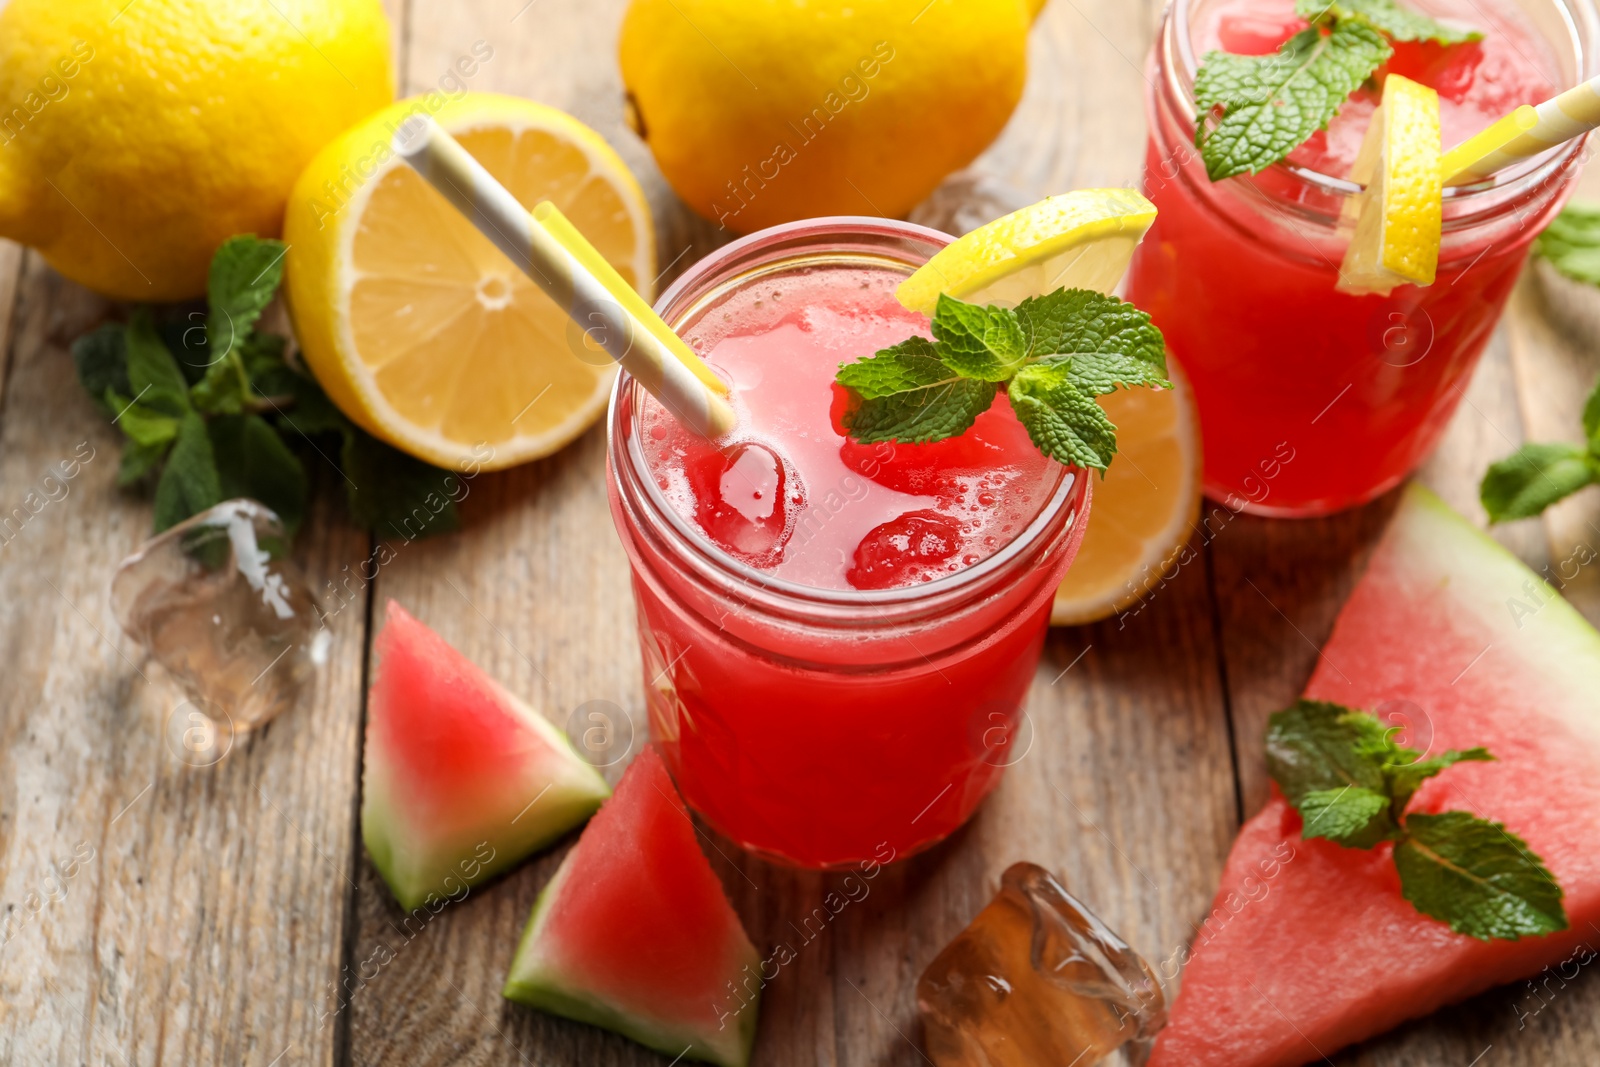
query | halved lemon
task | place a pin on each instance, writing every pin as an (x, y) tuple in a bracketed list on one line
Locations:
[(1397, 220), (420, 330), (1079, 240), (1143, 509)]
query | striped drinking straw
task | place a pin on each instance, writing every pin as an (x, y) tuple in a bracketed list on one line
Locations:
[(1525, 132), (560, 261)]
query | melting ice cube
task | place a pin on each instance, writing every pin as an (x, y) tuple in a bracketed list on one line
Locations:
[(1038, 979), (217, 603), (744, 499)]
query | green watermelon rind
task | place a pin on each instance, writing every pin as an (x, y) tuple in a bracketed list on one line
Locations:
[(1552, 636), (573, 797), (533, 983)]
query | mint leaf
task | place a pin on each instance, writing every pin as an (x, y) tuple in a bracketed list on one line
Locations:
[(983, 343), (922, 415), (1534, 477), (1314, 746), (1406, 778), (252, 461), (392, 493), (1272, 104), (1111, 342), (189, 483), (913, 364), (153, 375), (245, 273), (224, 389), (1478, 877), (1591, 420), (1389, 18), (1065, 423), (101, 359), (142, 425), (1351, 816), (139, 460), (1572, 242)]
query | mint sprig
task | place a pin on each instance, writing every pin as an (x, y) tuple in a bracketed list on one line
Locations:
[(1054, 354), (1255, 110), (1351, 783), (1537, 475), (1572, 242), (216, 421)]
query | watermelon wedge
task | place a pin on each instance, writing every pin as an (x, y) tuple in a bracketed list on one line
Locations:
[(635, 934), (460, 780), (1309, 946)]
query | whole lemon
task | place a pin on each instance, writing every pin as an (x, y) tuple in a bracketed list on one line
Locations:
[(135, 137), (766, 111)]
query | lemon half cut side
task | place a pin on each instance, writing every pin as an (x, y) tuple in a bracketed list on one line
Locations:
[(423, 332)]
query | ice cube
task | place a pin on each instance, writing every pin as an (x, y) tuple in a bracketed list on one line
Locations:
[(968, 199), (905, 550), (216, 602), (744, 500), (1037, 979)]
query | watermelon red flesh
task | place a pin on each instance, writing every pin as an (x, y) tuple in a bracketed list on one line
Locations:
[(460, 779), (634, 932), (1304, 955)]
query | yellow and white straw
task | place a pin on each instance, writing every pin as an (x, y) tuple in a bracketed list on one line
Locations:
[(1525, 132), (551, 251)]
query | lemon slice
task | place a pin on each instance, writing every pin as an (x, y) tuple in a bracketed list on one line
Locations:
[(1079, 240), (1143, 510), (420, 330), (1399, 215)]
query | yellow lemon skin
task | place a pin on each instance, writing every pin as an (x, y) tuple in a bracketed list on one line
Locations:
[(135, 138), (765, 111)]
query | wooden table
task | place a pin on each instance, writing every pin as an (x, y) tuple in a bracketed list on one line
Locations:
[(230, 916)]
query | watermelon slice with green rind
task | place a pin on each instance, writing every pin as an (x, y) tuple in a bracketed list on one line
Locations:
[(1310, 947), (460, 779), (635, 934)]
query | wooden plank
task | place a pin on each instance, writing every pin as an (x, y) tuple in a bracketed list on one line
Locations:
[(10, 270), (1127, 790), (155, 912)]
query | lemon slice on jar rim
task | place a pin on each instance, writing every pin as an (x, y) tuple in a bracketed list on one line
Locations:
[(1145, 507)]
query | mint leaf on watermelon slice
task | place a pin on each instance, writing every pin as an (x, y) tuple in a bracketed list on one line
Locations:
[(1312, 746), (1477, 876), (634, 932), (1353, 817), (460, 780)]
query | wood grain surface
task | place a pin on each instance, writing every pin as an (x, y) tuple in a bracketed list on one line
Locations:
[(157, 913)]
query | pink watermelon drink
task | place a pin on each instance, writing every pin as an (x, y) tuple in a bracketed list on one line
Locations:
[(1313, 400), (837, 637), (1310, 946)]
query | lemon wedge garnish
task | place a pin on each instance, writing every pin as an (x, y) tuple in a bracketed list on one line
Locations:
[(1398, 217), (1141, 512), (423, 332), (1079, 240)]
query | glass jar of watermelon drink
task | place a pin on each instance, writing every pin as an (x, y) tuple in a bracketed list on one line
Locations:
[(1313, 400), (837, 637)]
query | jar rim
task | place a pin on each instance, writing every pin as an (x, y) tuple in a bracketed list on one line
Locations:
[(1482, 197), (716, 271)]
